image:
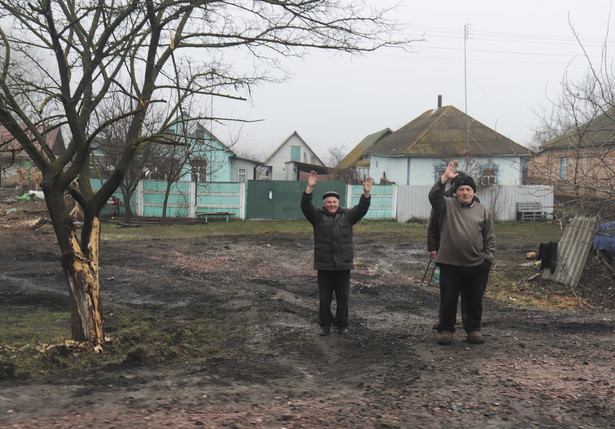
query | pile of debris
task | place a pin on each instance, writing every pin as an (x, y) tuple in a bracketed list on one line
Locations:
[(575, 263), (23, 211)]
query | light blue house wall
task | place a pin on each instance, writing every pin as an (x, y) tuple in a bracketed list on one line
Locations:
[(394, 169), (423, 171), (203, 146), (219, 157)]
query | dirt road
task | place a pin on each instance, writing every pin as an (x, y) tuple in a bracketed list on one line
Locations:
[(538, 368)]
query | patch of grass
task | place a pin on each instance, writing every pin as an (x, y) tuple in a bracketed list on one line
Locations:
[(213, 228), (28, 325), (407, 231), (518, 289), (506, 232), (136, 336), (528, 233), (24, 333)]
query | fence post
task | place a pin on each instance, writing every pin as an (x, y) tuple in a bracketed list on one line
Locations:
[(348, 195), (394, 202), (139, 198), (242, 200), (192, 200)]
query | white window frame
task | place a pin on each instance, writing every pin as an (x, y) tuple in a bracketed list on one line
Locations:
[(242, 171)]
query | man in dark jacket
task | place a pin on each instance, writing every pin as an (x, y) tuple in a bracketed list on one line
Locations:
[(333, 249)]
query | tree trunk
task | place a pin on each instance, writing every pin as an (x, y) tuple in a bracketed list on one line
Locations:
[(165, 203), (82, 273), (127, 193), (127, 209)]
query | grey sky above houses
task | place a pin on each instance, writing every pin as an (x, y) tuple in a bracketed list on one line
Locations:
[(501, 62)]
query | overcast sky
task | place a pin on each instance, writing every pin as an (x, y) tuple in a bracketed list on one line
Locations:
[(517, 53)]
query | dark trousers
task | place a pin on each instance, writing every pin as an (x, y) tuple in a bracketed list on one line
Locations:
[(337, 281), (470, 283)]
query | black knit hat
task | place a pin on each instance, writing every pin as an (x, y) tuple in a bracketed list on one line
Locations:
[(463, 181), (330, 194)]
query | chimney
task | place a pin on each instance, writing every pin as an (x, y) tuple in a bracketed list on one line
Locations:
[(439, 101)]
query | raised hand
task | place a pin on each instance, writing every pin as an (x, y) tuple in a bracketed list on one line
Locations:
[(367, 185), (450, 172), (312, 179)]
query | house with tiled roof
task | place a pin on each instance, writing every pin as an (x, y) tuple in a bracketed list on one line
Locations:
[(418, 152), (16, 167), (580, 160), (358, 157)]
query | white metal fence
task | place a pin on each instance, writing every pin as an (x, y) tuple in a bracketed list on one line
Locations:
[(412, 201)]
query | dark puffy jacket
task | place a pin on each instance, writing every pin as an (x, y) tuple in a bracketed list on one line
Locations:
[(333, 246)]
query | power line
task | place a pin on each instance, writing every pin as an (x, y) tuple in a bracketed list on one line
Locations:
[(507, 37), (515, 45)]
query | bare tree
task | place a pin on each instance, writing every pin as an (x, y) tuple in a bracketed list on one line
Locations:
[(576, 141), (576, 146), (73, 55), (108, 147), (191, 153), (335, 154)]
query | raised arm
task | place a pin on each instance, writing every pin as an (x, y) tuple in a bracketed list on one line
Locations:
[(312, 181)]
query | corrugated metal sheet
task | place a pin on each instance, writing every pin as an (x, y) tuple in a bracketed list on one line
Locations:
[(412, 202), (572, 250), (446, 131)]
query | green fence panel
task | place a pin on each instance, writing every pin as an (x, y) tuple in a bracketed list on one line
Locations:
[(281, 199), (218, 197), (178, 203), (381, 206), (106, 210)]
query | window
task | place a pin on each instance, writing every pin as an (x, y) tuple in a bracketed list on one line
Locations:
[(241, 175), (563, 167), (489, 175), (295, 153), (199, 170)]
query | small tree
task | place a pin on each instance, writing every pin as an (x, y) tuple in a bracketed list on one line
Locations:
[(60, 60), (576, 141), (109, 146), (576, 147)]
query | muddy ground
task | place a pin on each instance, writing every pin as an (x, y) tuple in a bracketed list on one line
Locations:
[(539, 368)]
